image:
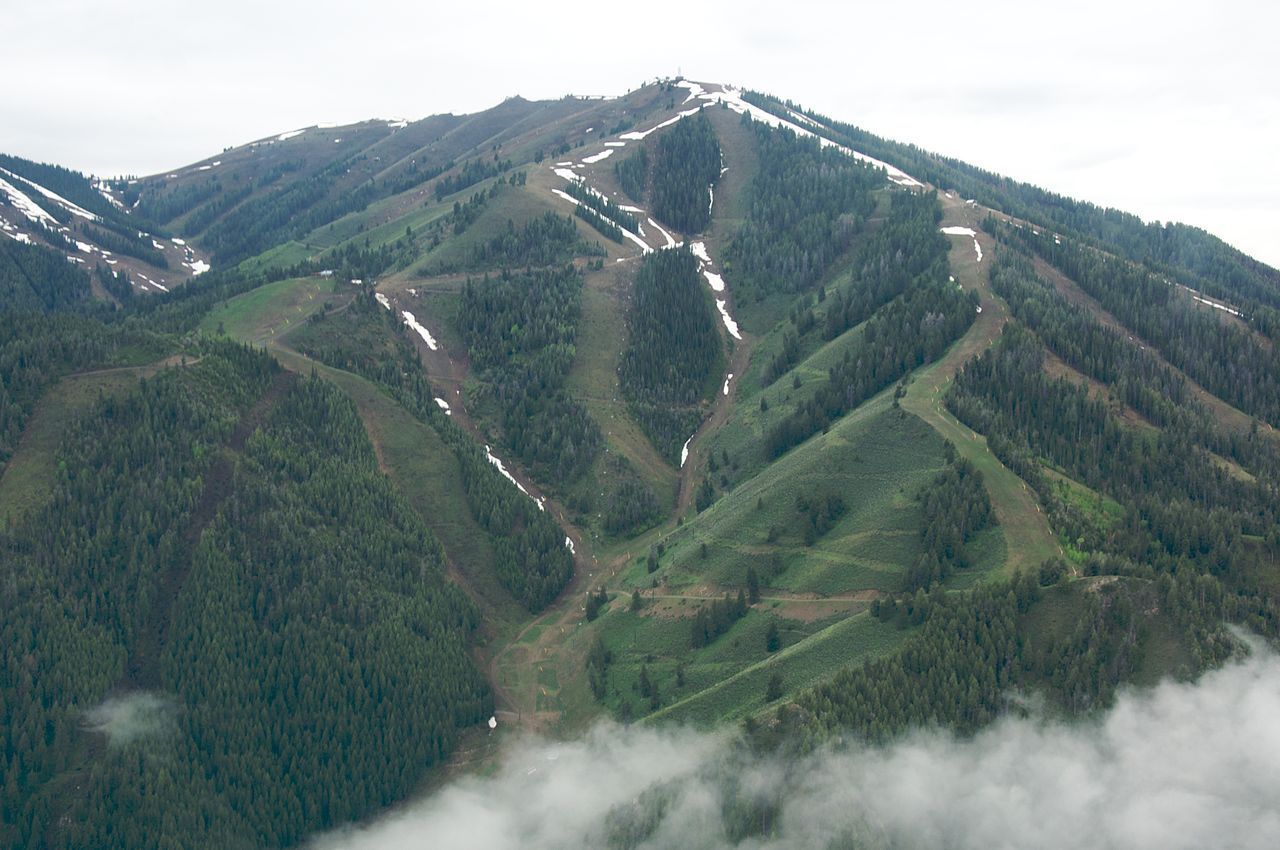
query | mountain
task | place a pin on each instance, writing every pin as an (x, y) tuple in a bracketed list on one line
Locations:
[(335, 459)]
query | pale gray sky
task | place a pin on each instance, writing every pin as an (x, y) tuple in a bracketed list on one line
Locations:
[(1170, 110)]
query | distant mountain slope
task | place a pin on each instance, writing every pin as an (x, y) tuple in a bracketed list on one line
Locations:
[(720, 412), (64, 210)]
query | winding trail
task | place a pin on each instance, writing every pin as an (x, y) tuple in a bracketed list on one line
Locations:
[(1017, 508)]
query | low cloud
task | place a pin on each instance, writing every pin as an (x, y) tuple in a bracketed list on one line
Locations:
[(126, 718), (1182, 765)]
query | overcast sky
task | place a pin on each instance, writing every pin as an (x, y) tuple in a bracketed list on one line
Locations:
[(1170, 110)]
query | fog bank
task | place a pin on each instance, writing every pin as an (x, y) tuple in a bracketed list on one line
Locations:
[(1179, 766)]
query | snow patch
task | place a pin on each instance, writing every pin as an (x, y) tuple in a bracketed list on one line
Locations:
[(443, 405), (956, 230), (603, 155), (615, 144), (715, 281), (569, 545), (198, 267), (382, 299), (694, 89), (398, 125), (684, 451), (420, 329), (497, 462), (699, 250), (730, 325), (25, 205), (803, 119), (671, 243), (54, 196), (733, 100), (570, 198), (284, 137), (638, 135), (726, 383)]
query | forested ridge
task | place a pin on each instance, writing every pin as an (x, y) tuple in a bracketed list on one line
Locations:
[(532, 561), (520, 331), (50, 327), (1227, 360), (223, 625), (673, 351), (677, 179), (1196, 257), (905, 262), (903, 251), (806, 204)]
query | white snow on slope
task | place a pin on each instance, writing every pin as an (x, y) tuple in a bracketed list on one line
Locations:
[(496, 461), (420, 330), (568, 542), (105, 191), (443, 405), (74, 209), (694, 89), (956, 230), (198, 267), (699, 250), (803, 119), (83, 247), (715, 281), (398, 125), (638, 135), (733, 99), (382, 299), (289, 135), (604, 154), (671, 243), (727, 379), (615, 144), (25, 205), (644, 246), (730, 325), (1217, 306), (684, 452)]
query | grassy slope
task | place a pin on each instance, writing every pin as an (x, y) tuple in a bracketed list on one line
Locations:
[(876, 459), (1027, 534), (593, 380), (265, 313), (28, 479), (410, 452)]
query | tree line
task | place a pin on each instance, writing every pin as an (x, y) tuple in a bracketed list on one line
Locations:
[(673, 354), (531, 561)]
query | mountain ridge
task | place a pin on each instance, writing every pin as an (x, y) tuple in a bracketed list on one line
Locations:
[(862, 444)]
